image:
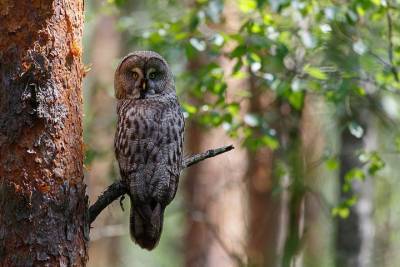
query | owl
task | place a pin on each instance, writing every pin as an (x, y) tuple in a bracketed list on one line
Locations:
[(148, 141)]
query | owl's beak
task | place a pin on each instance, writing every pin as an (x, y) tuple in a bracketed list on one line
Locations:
[(144, 84)]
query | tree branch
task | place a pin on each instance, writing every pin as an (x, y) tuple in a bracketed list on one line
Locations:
[(118, 188), (189, 161), (390, 40)]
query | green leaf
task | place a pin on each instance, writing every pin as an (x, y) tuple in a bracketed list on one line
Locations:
[(354, 174), (247, 5), (233, 108), (239, 51), (315, 72), (332, 164), (375, 163), (296, 99), (270, 142), (254, 57), (342, 212), (118, 3), (189, 108), (360, 91), (343, 209), (236, 69)]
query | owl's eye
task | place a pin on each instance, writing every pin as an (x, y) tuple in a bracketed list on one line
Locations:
[(135, 75), (152, 75)]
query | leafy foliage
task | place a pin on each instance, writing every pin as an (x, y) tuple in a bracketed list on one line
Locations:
[(346, 53)]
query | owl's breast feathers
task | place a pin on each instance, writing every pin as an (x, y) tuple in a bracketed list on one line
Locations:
[(148, 145)]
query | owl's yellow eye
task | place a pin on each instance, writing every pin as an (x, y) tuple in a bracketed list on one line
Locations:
[(135, 75)]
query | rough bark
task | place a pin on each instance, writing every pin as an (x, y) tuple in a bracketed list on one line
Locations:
[(42, 195)]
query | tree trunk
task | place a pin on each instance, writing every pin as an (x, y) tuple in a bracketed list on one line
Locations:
[(354, 233), (312, 149), (348, 243), (197, 238), (265, 208), (215, 193), (42, 195), (351, 249)]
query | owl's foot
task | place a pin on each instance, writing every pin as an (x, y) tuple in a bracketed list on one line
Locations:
[(121, 202)]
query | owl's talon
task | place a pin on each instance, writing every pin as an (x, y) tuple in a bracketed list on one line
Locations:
[(121, 203)]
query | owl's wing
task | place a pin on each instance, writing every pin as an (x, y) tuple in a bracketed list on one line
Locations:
[(165, 159), (173, 125)]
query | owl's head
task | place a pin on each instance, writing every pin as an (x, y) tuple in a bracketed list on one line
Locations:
[(141, 75)]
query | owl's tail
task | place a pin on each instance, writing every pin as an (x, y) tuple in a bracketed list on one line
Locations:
[(146, 224)]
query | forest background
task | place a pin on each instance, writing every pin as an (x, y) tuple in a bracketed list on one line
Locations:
[(307, 91)]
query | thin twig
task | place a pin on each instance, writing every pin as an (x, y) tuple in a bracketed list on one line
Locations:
[(118, 188), (189, 161), (390, 40)]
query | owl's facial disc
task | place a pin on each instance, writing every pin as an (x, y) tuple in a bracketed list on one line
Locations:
[(137, 73), (139, 82)]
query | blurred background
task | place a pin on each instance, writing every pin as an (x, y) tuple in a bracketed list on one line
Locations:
[(309, 94)]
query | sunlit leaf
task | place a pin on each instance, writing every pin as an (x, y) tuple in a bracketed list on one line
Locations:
[(189, 108), (354, 174), (332, 164), (233, 108), (247, 5), (296, 99), (270, 142), (342, 212), (315, 72), (375, 163)]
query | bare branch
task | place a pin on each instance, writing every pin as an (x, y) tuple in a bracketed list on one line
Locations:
[(112, 192), (189, 161), (118, 188)]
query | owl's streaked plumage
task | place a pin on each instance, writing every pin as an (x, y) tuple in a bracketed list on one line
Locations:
[(148, 141)]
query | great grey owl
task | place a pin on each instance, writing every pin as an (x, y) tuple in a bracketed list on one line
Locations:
[(148, 141)]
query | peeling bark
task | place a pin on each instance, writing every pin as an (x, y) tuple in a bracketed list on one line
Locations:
[(43, 205)]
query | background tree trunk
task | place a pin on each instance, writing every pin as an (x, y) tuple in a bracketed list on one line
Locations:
[(265, 208), (215, 192), (352, 248), (348, 243), (42, 195), (100, 115)]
